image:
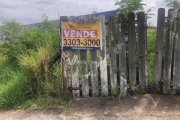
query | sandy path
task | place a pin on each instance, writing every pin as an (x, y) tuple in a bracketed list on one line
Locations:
[(146, 107)]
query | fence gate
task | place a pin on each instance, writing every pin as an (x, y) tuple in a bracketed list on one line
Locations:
[(107, 71)]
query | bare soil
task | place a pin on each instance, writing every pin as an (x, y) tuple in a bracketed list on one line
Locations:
[(146, 107)]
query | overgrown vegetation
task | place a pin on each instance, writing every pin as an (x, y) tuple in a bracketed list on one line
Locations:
[(151, 43), (25, 77)]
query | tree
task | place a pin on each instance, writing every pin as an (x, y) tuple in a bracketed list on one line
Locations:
[(126, 6), (10, 31), (173, 4)]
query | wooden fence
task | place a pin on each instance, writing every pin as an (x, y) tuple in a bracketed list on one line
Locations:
[(167, 60), (122, 62)]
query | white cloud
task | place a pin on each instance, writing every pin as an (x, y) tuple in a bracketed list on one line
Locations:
[(156, 4), (30, 11), (22, 10)]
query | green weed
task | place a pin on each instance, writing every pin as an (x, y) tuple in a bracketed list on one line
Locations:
[(24, 66), (44, 102), (15, 90)]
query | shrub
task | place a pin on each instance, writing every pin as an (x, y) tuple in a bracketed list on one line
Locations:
[(24, 65)]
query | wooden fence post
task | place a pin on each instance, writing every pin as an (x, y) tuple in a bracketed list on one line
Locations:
[(84, 63), (112, 52), (159, 45), (74, 68), (142, 48), (132, 47), (168, 52), (122, 54), (94, 68), (176, 77), (66, 68), (103, 58)]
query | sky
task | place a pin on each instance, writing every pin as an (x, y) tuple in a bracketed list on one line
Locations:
[(31, 11)]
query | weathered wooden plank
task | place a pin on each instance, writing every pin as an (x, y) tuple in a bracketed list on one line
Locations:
[(159, 45), (146, 56), (84, 64), (74, 68), (176, 76), (94, 67), (142, 48), (168, 52), (122, 54), (66, 68), (112, 53), (103, 58), (132, 47)]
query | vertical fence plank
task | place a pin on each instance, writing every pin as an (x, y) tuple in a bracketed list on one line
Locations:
[(142, 41), (84, 63), (176, 77), (132, 47), (146, 56), (74, 68), (65, 64), (103, 58), (112, 52), (159, 45), (168, 52), (94, 67), (122, 54)]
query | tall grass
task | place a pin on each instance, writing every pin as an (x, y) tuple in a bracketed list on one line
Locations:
[(24, 72), (15, 90), (151, 58)]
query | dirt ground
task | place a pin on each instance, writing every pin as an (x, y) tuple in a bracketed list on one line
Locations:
[(146, 107)]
